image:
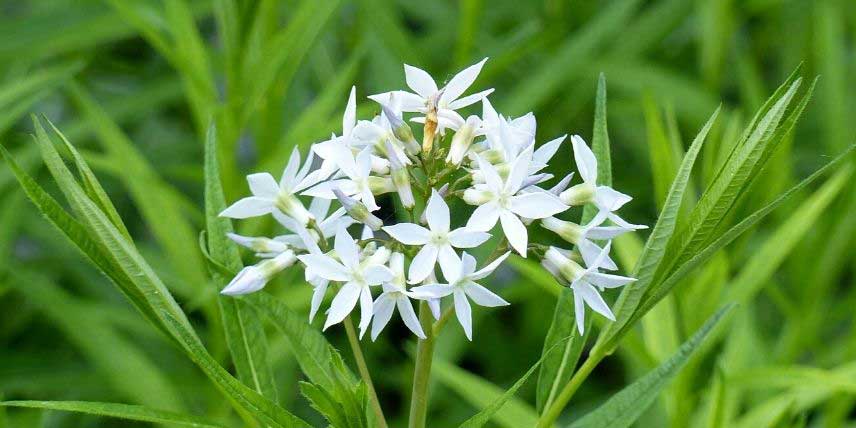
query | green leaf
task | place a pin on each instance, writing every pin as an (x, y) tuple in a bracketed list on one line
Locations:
[(665, 286), (245, 335), (625, 407), (655, 248), (499, 405), (116, 410), (311, 348), (481, 418), (346, 404)]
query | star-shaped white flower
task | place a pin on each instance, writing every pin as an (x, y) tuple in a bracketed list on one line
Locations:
[(357, 278), (268, 195), (395, 294), (583, 281), (326, 149), (448, 98), (359, 182), (501, 200), (605, 198), (437, 241), (460, 277)]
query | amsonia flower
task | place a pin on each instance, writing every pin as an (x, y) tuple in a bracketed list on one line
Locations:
[(395, 295), (448, 99), (583, 281), (359, 182), (605, 198), (460, 276), (582, 237), (268, 195), (436, 241), (501, 200), (355, 275)]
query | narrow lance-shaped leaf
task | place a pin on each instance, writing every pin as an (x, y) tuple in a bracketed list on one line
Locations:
[(245, 334), (655, 247), (665, 286), (625, 407), (116, 410)]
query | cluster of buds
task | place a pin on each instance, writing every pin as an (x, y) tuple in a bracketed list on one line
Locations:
[(489, 162)]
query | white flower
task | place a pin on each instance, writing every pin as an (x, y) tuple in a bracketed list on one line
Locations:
[(357, 277), (582, 237), (499, 200), (448, 98), (359, 182), (326, 149), (328, 225), (461, 276), (254, 278), (394, 295), (436, 241), (583, 281), (269, 196), (606, 199)]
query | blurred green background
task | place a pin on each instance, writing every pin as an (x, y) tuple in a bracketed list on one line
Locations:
[(135, 83)]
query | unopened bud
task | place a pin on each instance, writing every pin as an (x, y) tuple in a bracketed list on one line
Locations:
[(558, 262), (462, 140), (264, 247), (400, 178), (358, 211), (254, 278), (476, 197), (401, 130), (566, 230), (580, 194)]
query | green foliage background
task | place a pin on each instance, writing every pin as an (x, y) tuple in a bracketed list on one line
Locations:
[(133, 84)]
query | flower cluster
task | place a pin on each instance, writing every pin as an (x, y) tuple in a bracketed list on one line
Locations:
[(489, 162)]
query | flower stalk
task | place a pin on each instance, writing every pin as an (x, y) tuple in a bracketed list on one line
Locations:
[(422, 370)]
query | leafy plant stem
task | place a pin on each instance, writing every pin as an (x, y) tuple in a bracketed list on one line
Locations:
[(552, 413), (354, 341), (422, 371)]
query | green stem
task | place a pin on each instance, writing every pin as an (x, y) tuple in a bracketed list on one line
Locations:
[(422, 372), (552, 413), (364, 371)]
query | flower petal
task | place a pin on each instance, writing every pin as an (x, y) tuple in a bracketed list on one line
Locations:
[(318, 293), (423, 264), (591, 252), (515, 231), (263, 185), (343, 303), (349, 119), (346, 248), (420, 81), (408, 233), (366, 310), (288, 180), (593, 299), (252, 206), (484, 217), (375, 275), (548, 150), (586, 162), (579, 312), (605, 280), (464, 237), (461, 81), (325, 267), (432, 291), (470, 99), (487, 270), (450, 265), (491, 176), (383, 308), (408, 315), (537, 204), (519, 171), (483, 297), (464, 313), (437, 213)]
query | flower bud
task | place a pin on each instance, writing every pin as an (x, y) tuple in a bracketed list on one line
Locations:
[(380, 185), (358, 211), (559, 263), (476, 196), (380, 165), (264, 247), (580, 194), (400, 178), (462, 140), (401, 130), (567, 230), (254, 278)]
